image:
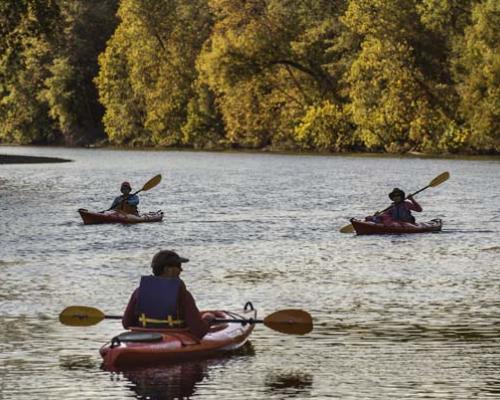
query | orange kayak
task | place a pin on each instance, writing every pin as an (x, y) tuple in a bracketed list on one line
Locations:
[(115, 217), (372, 228), (148, 347)]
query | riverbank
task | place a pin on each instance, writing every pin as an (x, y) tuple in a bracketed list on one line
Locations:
[(18, 159), (278, 151)]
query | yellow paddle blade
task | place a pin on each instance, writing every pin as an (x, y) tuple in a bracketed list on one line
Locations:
[(438, 180), (297, 322), (152, 183), (81, 316), (347, 229)]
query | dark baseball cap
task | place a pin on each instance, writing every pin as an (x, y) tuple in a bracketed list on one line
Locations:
[(166, 258)]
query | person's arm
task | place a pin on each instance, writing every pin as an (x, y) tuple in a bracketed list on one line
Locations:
[(192, 317), (116, 201), (133, 200), (129, 318), (413, 205)]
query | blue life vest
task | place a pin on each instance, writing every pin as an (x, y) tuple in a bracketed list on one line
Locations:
[(399, 212), (157, 303)]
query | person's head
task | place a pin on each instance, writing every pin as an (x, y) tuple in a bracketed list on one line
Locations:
[(125, 188), (167, 263), (397, 195)]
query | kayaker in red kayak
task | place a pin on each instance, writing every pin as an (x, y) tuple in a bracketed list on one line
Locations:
[(163, 301), (126, 202), (399, 211)]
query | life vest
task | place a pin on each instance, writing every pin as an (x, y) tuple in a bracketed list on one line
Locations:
[(127, 208), (157, 303), (400, 212), (128, 205)]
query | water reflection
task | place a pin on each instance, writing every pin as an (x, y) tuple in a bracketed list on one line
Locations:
[(412, 316), (178, 381), (393, 331), (168, 382), (77, 362), (287, 384)]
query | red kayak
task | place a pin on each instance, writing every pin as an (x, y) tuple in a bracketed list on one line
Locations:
[(147, 347), (116, 217), (372, 228)]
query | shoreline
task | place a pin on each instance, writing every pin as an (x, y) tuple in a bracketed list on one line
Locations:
[(19, 159), (8, 159)]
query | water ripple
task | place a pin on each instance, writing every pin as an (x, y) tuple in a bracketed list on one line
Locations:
[(395, 317)]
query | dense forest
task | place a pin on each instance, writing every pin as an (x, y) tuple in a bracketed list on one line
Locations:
[(315, 75)]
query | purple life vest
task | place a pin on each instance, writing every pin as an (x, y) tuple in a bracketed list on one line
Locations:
[(400, 212), (157, 303)]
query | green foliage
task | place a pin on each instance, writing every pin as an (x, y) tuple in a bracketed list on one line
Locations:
[(24, 117), (48, 58), (267, 63), (155, 49), (70, 91), (477, 70), (204, 127), (454, 140), (124, 116), (59, 94), (27, 31), (397, 102), (326, 127), (327, 75)]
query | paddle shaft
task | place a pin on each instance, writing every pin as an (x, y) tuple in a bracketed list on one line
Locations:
[(235, 320), (113, 317), (215, 321)]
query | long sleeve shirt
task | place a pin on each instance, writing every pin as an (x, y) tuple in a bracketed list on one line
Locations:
[(187, 307), (132, 200), (401, 211)]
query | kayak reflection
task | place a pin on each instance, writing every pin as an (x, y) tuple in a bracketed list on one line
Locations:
[(178, 381), (169, 382), (288, 384)]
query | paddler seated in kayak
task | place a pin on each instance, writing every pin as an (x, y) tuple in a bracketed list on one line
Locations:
[(399, 211), (162, 300), (126, 202)]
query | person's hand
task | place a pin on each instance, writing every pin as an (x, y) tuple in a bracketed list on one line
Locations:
[(410, 197), (208, 317)]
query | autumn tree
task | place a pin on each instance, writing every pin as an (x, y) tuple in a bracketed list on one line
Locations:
[(149, 69), (27, 31), (477, 71)]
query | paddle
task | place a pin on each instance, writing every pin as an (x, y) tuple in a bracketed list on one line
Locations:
[(147, 186), (150, 184), (292, 321), (83, 316), (435, 182)]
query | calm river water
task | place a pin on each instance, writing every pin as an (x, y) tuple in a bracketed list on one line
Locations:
[(395, 316)]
